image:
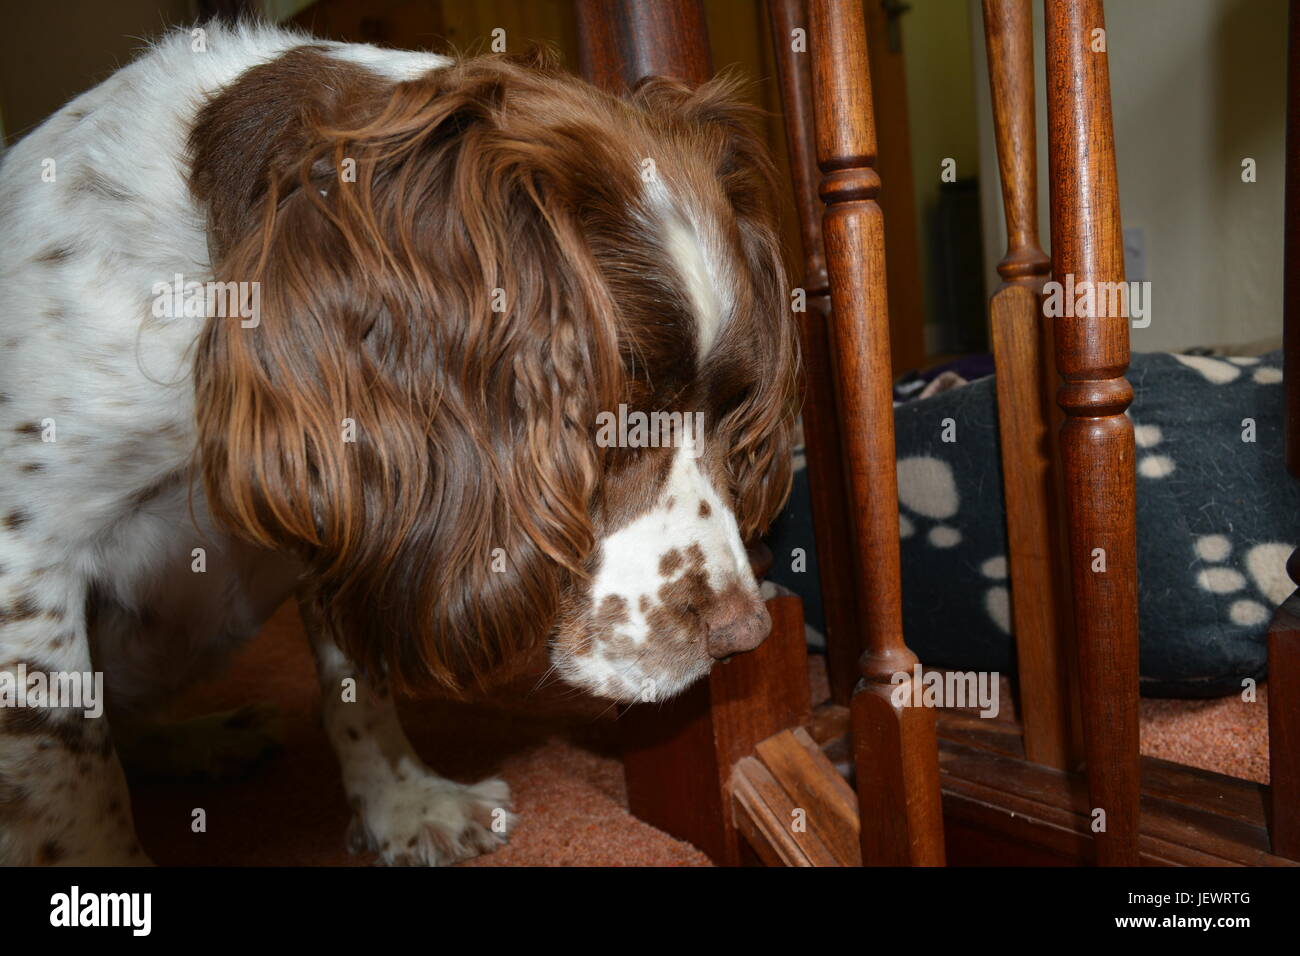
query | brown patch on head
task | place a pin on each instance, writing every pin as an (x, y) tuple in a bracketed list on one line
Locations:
[(705, 510), (16, 519), (634, 481)]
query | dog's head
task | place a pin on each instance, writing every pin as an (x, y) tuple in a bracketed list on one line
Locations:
[(524, 365)]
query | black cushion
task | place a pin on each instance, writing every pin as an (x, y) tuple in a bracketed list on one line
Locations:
[(1216, 517)]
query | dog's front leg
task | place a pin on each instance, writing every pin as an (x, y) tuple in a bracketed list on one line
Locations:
[(401, 809)]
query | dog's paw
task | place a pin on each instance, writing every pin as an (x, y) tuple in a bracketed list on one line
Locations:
[(420, 819)]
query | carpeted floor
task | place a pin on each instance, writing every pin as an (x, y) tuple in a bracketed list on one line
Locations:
[(555, 748)]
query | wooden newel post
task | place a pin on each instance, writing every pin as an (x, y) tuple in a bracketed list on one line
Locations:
[(1097, 453), (895, 742)]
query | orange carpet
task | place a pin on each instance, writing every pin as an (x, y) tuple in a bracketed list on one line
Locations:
[(555, 747)]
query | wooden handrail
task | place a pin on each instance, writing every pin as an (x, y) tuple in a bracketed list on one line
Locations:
[(895, 744), (1097, 449), (820, 419)]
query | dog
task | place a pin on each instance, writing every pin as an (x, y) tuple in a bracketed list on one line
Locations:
[(285, 317)]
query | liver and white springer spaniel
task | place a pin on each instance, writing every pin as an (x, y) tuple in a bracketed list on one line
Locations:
[(284, 315)]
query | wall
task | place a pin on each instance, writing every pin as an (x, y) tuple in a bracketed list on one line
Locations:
[(50, 52), (1197, 85), (941, 119)]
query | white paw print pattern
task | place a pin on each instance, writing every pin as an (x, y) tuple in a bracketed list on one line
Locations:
[(1265, 566), (997, 602), (1152, 464), (927, 488), (1223, 371)]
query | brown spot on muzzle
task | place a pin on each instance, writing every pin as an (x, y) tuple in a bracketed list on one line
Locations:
[(670, 562), (733, 619), (608, 617)]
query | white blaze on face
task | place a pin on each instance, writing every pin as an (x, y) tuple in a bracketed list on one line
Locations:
[(700, 265)]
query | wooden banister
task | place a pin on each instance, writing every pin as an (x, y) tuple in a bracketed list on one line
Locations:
[(1097, 450), (1027, 416), (1284, 634), (895, 743), (820, 420)]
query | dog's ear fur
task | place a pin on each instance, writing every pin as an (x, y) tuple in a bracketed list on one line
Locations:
[(753, 372), (411, 414)]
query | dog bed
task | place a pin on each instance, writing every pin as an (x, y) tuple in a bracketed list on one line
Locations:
[(1216, 520)]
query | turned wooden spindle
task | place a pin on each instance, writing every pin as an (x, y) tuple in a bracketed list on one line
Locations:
[(621, 41), (1097, 452), (1284, 634), (895, 744), (821, 429), (1009, 39), (1027, 413)]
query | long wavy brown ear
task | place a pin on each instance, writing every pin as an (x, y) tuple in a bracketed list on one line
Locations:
[(753, 371), (411, 413)]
